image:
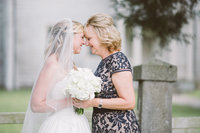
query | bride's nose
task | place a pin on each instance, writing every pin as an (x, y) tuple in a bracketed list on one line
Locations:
[(85, 43)]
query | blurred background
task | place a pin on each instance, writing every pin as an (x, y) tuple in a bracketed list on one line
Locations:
[(166, 30)]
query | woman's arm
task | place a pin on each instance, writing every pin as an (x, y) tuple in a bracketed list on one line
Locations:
[(42, 86), (124, 86)]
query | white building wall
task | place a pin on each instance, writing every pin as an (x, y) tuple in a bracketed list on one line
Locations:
[(33, 20)]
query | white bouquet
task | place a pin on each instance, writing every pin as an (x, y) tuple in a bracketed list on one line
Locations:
[(82, 84)]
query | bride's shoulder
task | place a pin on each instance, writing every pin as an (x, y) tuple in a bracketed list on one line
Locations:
[(51, 63)]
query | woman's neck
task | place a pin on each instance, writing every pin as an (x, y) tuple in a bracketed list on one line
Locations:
[(106, 54)]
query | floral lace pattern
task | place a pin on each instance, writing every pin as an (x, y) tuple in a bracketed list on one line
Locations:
[(116, 120)]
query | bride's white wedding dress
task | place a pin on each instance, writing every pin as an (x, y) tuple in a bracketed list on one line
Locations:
[(64, 120)]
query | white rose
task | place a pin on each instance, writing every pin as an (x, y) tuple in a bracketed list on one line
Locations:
[(82, 84)]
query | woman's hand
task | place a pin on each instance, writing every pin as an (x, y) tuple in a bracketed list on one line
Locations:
[(82, 103)]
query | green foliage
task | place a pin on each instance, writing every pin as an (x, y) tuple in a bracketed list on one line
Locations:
[(163, 17)]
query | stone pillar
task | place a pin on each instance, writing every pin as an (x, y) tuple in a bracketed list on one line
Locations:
[(9, 43), (196, 47), (1, 41), (154, 95)]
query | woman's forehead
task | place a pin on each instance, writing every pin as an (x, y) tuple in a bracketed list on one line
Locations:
[(88, 31)]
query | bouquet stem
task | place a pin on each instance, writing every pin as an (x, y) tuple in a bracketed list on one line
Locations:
[(79, 111)]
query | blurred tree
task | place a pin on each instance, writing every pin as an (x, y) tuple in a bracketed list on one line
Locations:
[(161, 18), (159, 22)]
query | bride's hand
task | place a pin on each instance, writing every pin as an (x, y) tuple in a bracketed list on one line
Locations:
[(81, 103)]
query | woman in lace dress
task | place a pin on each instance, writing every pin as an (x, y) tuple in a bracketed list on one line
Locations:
[(113, 106)]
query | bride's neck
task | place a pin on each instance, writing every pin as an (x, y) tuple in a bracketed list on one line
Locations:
[(53, 57)]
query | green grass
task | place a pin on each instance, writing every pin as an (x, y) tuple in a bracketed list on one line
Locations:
[(10, 128), (184, 111), (13, 101), (195, 93), (17, 101)]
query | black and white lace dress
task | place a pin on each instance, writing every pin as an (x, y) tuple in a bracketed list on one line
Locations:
[(112, 121)]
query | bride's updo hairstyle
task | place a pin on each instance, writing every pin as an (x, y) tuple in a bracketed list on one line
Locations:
[(107, 33), (58, 35), (77, 27)]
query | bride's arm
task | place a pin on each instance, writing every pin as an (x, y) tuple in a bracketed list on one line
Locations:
[(46, 77)]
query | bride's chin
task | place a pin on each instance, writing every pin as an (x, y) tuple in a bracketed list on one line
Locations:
[(93, 51), (77, 52)]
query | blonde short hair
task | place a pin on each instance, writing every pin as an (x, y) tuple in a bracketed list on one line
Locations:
[(107, 33)]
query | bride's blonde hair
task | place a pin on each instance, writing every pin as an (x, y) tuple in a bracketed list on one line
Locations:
[(62, 27), (77, 27)]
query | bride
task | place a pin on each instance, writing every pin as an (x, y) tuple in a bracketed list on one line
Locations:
[(50, 109)]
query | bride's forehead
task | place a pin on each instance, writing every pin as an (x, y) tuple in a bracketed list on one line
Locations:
[(79, 34)]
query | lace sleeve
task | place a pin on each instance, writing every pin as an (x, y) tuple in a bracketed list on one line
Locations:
[(120, 63)]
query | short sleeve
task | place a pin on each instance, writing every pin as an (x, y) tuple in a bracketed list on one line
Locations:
[(120, 63)]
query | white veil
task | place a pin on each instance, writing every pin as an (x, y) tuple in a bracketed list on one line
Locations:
[(60, 43)]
